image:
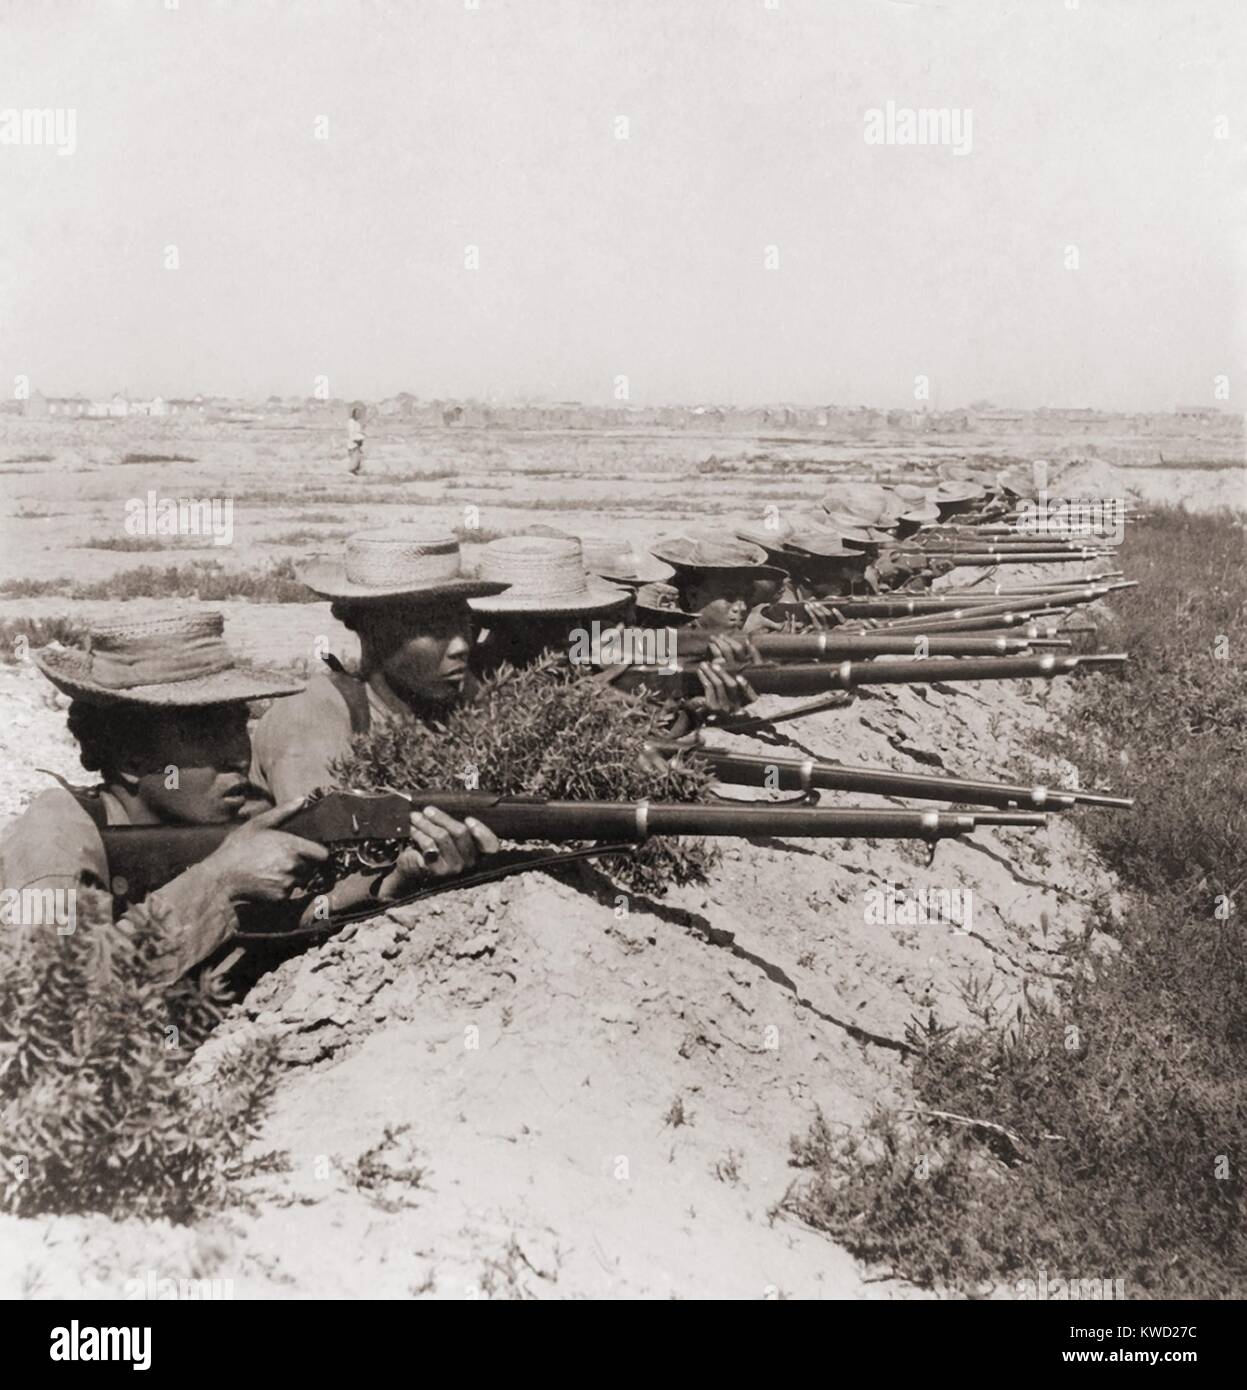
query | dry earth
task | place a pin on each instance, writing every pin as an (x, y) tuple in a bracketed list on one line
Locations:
[(589, 1095)]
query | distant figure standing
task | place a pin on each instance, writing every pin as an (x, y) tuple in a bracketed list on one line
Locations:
[(355, 435)]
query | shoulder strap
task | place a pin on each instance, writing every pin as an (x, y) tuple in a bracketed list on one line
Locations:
[(354, 693)]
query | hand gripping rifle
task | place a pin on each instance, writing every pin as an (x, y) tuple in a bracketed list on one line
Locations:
[(367, 831)]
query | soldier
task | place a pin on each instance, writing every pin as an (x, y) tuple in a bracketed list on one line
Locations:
[(549, 596), (159, 709), (403, 593), (718, 578), (553, 601)]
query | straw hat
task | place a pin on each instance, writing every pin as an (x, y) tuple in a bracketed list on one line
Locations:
[(824, 545), (542, 574), (621, 565), (772, 539), (853, 530), (961, 472), (957, 490), (659, 605), (402, 562), (176, 661), (869, 502), (715, 555)]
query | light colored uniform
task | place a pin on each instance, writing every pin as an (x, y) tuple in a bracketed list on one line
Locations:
[(56, 845), (298, 738)]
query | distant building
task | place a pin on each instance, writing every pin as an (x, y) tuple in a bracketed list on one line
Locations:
[(36, 406)]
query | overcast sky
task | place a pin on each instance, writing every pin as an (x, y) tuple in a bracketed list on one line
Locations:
[(1092, 127)]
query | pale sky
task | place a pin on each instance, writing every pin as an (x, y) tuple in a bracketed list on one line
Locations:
[(1093, 127)]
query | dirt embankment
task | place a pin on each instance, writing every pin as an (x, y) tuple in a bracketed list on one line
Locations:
[(591, 1094)]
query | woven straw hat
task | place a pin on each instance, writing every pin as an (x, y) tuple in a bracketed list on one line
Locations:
[(957, 490), (659, 605), (176, 661), (619, 564), (869, 502), (1017, 482), (402, 562), (771, 539), (963, 472), (921, 509), (715, 555), (545, 574), (824, 545), (854, 530)]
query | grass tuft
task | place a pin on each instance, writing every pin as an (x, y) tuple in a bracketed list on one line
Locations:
[(95, 1113), (546, 731), (1099, 1134)]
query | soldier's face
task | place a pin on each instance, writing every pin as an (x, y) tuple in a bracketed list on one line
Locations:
[(192, 766), (423, 651), (520, 638), (721, 601)]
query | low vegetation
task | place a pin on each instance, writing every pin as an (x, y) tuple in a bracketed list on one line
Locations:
[(306, 535), (20, 636), (124, 543), (1099, 1134), (156, 458), (95, 1112), (208, 580), (549, 732)]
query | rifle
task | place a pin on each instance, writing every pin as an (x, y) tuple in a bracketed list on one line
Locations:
[(997, 557), (810, 774), (936, 623), (836, 646), (802, 679), (367, 831), (959, 605)]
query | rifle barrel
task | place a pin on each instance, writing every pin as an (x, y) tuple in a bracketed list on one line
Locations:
[(811, 774), (811, 679), (835, 646)]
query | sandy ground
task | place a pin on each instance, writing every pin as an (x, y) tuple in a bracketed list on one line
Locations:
[(530, 1047)]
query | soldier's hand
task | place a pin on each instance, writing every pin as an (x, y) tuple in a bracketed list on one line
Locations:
[(819, 615), (726, 646), (757, 621), (441, 847), (725, 692), (260, 863)]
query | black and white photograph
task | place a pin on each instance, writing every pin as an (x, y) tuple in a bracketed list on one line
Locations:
[(622, 674)]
